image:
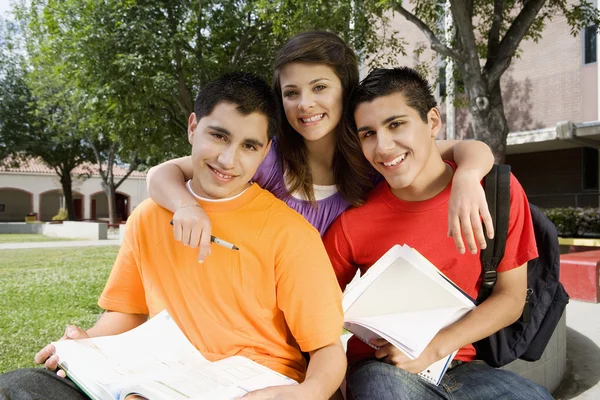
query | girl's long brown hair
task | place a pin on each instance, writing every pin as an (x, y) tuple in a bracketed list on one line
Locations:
[(353, 175)]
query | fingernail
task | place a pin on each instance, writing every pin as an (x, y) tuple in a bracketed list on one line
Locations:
[(71, 332), (200, 261)]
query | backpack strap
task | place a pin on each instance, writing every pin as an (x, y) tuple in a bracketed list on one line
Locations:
[(497, 193)]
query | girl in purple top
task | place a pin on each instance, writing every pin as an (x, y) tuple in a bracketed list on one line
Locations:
[(316, 164)]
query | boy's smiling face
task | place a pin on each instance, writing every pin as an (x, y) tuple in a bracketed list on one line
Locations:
[(227, 148), (395, 140)]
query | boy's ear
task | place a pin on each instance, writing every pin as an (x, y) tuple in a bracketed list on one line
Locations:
[(192, 125), (434, 120)]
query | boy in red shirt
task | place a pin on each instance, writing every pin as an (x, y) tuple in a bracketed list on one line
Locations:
[(397, 121)]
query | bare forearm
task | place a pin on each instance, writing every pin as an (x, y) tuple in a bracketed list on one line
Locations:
[(166, 186), (325, 372), (468, 155), (475, 156), (114, 323), (495, 313)]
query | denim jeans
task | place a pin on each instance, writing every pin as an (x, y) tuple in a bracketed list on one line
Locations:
[(38, 384), (374, 379)]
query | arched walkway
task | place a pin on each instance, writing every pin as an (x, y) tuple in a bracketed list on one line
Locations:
[(15, 204), (52, 200), (99, 206)]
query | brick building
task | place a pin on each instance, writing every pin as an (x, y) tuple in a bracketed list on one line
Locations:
[(550, 98)]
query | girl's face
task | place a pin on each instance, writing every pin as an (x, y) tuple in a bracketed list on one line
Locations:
[(312, 99)]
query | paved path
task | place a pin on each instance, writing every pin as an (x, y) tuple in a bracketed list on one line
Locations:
[(582, 379), (72, 243)]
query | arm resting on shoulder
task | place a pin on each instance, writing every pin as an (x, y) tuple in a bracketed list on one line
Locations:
[(467, 205), (502, 308), (471, 155), (114, 323), (166, 183)]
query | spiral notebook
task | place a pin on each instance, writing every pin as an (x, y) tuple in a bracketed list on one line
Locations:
[(406, 300)]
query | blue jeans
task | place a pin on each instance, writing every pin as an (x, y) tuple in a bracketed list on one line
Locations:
[(374, 379)]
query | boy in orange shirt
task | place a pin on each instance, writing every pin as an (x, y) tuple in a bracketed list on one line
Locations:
[(272, 299)]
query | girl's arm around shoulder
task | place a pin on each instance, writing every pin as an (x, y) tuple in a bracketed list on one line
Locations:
[(468, 206), (166, 186)]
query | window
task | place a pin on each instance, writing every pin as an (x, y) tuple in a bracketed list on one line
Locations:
[(589, 44), (442, 82), (590, 168)]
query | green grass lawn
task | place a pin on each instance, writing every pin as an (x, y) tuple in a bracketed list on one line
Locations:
[(43, 290), (28, 237)]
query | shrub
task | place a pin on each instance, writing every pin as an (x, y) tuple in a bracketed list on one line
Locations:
[(574, 222), (62, 215)]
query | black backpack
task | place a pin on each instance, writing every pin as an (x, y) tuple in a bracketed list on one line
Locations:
[(546, 297)]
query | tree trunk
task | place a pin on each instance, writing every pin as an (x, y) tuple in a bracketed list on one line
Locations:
[(489, 122), (110, 192), (66, 183), (487, 111)]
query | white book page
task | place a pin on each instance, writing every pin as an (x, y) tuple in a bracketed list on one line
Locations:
[(113, 361), (424, 265), (401, 288), (225, 379), (411, 332)]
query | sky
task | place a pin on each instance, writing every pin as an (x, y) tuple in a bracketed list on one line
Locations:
[(4, 6)]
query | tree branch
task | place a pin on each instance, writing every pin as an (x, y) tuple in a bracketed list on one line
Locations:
[(495, 67), (242, 43), (436, 44), (494, 34), (132, 167), (98, 158)]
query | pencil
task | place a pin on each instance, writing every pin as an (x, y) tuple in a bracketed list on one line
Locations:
[(221, 242)]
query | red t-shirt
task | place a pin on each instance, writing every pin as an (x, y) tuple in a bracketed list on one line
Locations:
[(360, 236)]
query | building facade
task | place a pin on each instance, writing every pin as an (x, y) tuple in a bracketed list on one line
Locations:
[(550, 96), (34, 188)]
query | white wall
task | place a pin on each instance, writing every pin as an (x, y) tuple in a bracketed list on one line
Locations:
[(134, 187)]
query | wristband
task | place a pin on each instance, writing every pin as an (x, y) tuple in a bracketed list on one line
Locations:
[(188, 205)]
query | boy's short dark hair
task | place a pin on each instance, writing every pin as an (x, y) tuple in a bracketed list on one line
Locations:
[(249, 92), (386, 81)]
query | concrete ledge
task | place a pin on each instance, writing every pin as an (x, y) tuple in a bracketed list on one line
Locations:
[(20, 228), (68, 229), (580, 275), (549, 370)]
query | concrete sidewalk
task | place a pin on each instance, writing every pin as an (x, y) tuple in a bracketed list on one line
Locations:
[(582, 378), (72, 243)]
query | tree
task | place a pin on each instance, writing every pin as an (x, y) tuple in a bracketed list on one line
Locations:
[(136, 65), (31, 126), (490, 31)]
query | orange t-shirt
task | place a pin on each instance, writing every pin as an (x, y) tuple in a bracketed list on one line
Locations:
[(276, 295)]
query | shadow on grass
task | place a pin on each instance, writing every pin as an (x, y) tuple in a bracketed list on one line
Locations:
[(583, 366)]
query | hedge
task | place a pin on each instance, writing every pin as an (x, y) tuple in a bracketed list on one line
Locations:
[(575, 222)]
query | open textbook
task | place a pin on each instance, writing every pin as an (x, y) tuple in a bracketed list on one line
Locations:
[(156, 361), (406, 300)]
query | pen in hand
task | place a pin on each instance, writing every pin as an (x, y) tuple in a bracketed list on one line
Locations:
[(220, 242)]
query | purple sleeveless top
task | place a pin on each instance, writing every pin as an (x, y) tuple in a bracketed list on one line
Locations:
[(270, 176)]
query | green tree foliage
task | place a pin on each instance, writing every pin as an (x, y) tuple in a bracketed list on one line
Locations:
[(486, 38), (131, 68), (30, 125)]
